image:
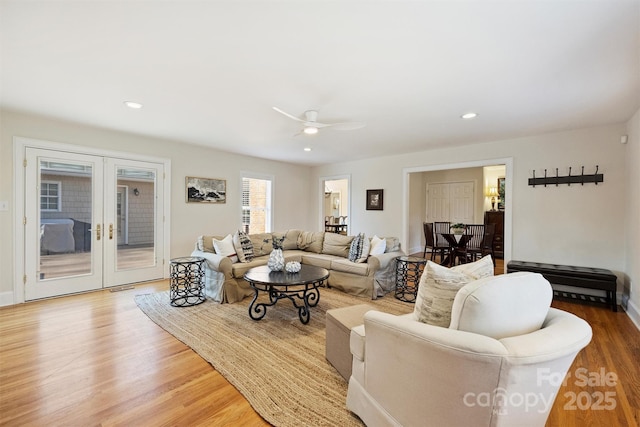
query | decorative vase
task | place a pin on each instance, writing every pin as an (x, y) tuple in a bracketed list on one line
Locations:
[(276, 260), (292, 267)]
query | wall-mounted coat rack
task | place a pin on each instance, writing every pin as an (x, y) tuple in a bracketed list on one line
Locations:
[(568, 179)]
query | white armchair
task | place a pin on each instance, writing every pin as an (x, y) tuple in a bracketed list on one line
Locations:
[(500, 363)]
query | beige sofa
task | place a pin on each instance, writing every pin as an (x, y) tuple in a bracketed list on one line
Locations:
[(373, 278)]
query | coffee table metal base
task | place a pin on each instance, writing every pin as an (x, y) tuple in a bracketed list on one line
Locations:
[(302, 299), (300, 288)]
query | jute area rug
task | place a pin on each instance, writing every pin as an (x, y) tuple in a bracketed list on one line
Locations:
[(277, 363)]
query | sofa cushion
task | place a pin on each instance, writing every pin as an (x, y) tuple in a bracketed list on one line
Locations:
[(378, 246), (262, 243), (311, 241), (359, 250), (346, 266), (336, 244), (225, 247), (243, 246), (480, 307), (290, 238), (319, 260), (439, 286)]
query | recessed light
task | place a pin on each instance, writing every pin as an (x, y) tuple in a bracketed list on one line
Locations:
[(132, 104), (468, 116), (307, 148)]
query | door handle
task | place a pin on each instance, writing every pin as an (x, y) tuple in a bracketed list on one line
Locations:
[(98, 231), (110, 231)]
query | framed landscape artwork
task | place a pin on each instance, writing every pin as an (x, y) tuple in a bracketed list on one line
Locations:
[(501, 193), (374, 200), (206, 190)]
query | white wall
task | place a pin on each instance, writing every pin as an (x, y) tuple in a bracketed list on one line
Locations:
[(577, 225), (632, 220), (187, 220), (581, 225)]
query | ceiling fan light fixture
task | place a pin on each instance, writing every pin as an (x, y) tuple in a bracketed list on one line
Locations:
[(310, 130)]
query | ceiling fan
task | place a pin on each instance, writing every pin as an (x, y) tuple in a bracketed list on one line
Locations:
[(311, 125)]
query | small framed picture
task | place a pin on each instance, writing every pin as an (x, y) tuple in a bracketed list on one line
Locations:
[(374, 200), (206, 190)]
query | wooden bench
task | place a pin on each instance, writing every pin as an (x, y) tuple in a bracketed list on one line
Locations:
[(568, 275)]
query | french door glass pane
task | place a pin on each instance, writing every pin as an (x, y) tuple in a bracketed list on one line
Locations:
[(65, 213), (135, 218)]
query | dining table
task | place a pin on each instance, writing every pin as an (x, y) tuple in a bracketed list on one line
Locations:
[(457, 248)]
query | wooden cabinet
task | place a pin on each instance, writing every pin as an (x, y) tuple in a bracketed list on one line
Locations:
[(497, 218)]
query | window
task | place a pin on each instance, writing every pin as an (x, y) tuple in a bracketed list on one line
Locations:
[(256, 204), (50, 196)]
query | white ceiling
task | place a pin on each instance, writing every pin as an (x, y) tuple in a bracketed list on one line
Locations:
[(209, 72)]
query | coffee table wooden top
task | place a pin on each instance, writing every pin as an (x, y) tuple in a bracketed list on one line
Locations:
[(307, 274)]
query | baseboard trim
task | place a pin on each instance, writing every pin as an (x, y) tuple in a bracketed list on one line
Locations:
[(634, 313), (6, 298)]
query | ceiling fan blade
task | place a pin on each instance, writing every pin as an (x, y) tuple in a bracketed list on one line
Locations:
[(288, 115), (347, 125)]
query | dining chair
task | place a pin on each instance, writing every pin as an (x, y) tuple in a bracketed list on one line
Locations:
[(441, 244), (429, 240), (487, 242), (474, 246)]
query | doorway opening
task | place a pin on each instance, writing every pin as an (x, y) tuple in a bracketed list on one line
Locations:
[(335, 204), (482, 176)]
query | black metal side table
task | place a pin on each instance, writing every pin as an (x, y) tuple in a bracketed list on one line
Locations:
[(408, 269), (186, 287)]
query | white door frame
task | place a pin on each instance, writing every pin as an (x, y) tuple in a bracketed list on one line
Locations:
[(508, 212), (20, 145), (321, 187)]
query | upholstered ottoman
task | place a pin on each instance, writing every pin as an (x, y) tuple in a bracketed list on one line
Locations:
[(339, 323)]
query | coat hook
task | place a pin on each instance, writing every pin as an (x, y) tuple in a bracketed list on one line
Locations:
[(545, 177), (569, 182), (595, 181), (556, 177), (534, 178), (582, 176)]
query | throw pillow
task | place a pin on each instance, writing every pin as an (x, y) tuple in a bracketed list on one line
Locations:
[(336, 244), (243, 246), (437, 289), (476, 270), (392, 244), (225, 247), (359, 251), (378, 246)]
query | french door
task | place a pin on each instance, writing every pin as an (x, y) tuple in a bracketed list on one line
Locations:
[(90, 222)]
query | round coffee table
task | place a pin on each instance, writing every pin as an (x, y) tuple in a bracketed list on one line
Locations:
[(300, 288)]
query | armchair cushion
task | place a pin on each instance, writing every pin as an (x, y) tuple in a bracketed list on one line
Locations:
[(502, 306), (439, 285)]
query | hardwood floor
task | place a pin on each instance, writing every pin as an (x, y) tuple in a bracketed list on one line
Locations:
[(96, 359)]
